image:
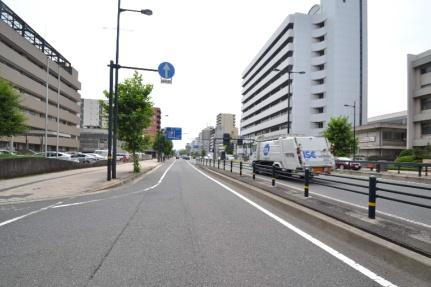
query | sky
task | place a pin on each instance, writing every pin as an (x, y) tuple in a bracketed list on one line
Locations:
[(210, 43)]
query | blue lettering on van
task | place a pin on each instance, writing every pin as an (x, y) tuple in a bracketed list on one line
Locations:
[(308, 154), (266, 150)]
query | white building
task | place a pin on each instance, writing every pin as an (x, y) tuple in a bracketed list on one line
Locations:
[(330, 45), (419, 99), (92, 114)]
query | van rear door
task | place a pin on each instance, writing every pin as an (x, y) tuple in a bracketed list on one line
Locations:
[(315, 152)]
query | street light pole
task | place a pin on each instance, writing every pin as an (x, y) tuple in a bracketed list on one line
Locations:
[(117, 66), (289, 72), (354, 127)]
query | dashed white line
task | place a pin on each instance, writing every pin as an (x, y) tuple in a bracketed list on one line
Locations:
[(358, 267)]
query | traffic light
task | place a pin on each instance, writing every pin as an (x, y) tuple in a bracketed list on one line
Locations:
[(239, 142), (226, 139)]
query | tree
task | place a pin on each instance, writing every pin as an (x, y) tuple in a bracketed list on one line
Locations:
[(159, 145), (135, 111), (228, 149), (340, 134), (168, 148), (203, 152), (12, 119)]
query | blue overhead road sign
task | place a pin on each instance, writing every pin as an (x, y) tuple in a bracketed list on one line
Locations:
[(166, 70), (173, 133)]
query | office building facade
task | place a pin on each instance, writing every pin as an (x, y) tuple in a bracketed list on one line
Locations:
[(419, 99), (93, 115), (155, 123), (47, 83), (329, 44)]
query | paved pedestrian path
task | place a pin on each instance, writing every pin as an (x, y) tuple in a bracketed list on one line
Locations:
[(66, 183)]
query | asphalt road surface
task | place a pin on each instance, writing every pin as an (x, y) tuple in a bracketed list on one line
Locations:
[(177, 227)]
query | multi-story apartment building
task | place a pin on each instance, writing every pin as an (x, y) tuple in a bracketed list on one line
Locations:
[(205, 138), (329, 44), (155, 123), (47, 83), (419, 99)]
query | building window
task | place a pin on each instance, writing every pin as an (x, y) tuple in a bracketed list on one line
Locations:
[(425, 69), (394, 136), (318, 110), (426, 128), (426, 103)]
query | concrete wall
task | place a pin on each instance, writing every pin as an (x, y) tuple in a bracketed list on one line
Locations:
[(17, 167)]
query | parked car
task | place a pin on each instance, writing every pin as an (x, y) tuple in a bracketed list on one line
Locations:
[(124, 156), (346, 163), (59, 155), (97, 156), (230, 157), (84, 158)]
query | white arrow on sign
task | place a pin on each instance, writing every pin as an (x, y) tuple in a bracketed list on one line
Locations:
[(167, 70)]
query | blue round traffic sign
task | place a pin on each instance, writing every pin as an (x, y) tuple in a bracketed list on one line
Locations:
[(166, 70)]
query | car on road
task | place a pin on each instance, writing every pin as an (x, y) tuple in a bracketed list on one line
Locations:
[(5, 152), (123, 156), (346, 163), (84, 158)]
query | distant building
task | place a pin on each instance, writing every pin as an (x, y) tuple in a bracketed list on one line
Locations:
[(329, 44), (383, 137), (226, 124), (205, 139), (419, 99), (92, 114), (155, 123), (37, 71)]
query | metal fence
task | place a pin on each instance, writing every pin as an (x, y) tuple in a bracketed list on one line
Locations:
[(370, 186)]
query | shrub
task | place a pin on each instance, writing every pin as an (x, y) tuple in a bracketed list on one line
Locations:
[(406, 152), (407, 158)]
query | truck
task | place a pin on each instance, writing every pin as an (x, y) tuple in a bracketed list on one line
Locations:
[(293, 154)]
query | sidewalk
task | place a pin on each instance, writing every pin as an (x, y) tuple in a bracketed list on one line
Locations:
[(67, 183)]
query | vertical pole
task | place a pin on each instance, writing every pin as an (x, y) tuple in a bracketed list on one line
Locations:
[(420, 171), (111, 87), (46, 106), (240, 168), (273, 176), (399, 169), (115, 132), (218, 164), (372, 197), (224, 164), (306, 182), (231, 166), (58, 108), (254, 171), (354, 130), (426, 170), (288, 102)]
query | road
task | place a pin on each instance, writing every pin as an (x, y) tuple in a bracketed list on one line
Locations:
[(177, 227), (413, 214)]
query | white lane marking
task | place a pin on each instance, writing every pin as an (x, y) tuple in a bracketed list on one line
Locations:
[(353, 204), (373, 276), (28, 214), (118, 196), (59, 204)]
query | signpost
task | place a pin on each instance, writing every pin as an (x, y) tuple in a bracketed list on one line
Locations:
[(166, 71), (173, 133)]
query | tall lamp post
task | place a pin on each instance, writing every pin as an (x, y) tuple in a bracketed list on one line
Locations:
[(354, 126), (115, 128), (289, 73)]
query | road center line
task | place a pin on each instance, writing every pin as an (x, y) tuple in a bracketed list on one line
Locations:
[(373, 276)]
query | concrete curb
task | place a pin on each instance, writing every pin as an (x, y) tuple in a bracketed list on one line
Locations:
[(118, 182), (396, 255)]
